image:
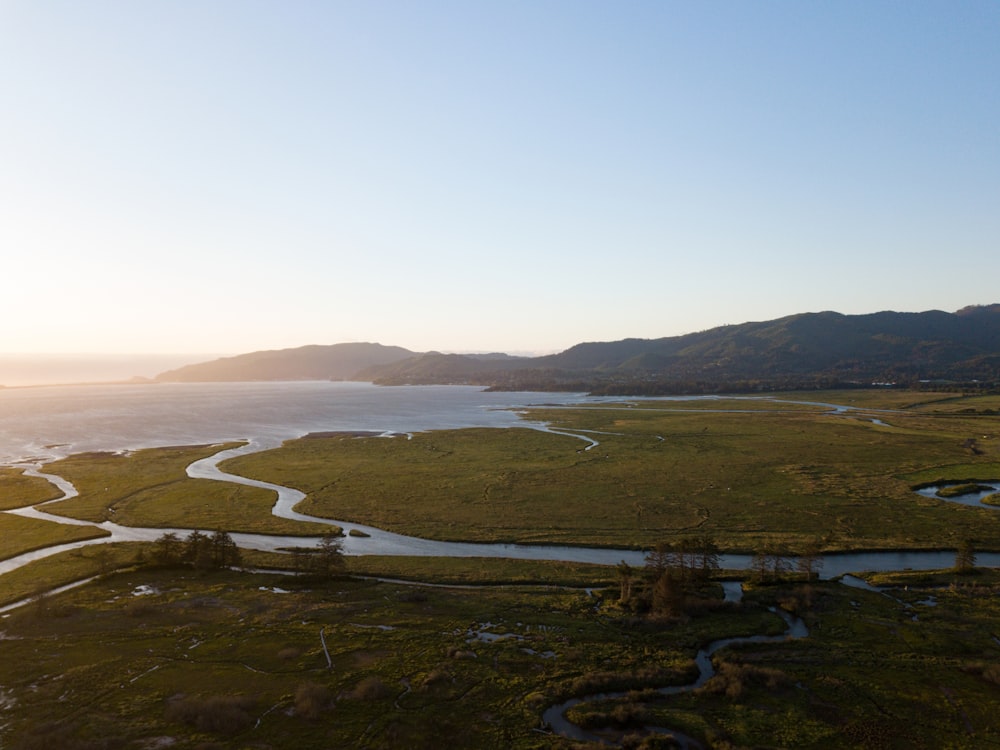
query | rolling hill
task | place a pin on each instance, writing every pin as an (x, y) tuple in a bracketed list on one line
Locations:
[(315, 362), (804, 350)]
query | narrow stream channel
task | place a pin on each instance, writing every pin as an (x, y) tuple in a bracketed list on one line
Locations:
[(554, 717)]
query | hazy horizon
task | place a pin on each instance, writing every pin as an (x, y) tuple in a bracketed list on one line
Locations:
[(28, 369), (491, 176), (20, 369)]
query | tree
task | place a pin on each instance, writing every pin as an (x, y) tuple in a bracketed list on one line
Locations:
[(769, 564), (168, 549), (668, 594), (328, 559), (224, 551), (965, 557), (198, 550), (625, 578), (810, 560), (658, 560), (704, 556)]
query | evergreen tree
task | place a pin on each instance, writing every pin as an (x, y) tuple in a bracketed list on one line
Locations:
[(198, 550), (168, 549), (225, 553), (328, 559)]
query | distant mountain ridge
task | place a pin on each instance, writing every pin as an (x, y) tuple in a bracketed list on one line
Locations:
[(314, 362), (803, 350)]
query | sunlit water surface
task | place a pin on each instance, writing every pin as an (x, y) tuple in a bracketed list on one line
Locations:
[(52, 422)]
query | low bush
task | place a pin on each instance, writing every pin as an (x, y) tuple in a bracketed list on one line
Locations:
[(731, 679), (312, 700), (370, 689), (218, 714)]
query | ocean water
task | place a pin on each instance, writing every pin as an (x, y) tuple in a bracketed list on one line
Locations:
[(45, 423)]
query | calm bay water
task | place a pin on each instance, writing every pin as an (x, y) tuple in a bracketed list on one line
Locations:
[(55, 421)]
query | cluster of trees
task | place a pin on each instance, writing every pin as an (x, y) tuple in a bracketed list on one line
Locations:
[(325, 560), (675, 577), (199, 550), (771, 564), (218, 550)]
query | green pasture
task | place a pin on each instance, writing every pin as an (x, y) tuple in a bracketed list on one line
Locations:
[(748, 479), (149, 488)]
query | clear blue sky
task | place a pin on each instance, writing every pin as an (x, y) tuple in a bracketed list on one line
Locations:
[(226, 176)]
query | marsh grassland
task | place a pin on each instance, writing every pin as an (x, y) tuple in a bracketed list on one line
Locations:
[(471, 652), (232, 659), (745, 472)]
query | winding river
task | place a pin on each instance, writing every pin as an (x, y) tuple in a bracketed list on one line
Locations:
[(38, 425), (266, 414), (555, 719), (381, 542)]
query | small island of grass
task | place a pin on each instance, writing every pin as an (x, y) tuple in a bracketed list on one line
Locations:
[(958, 490)]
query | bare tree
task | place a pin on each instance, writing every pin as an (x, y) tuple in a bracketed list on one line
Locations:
[(965, 557), (810, 560), (625, 579)]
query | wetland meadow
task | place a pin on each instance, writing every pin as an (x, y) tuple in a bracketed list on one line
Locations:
[(383, 650)]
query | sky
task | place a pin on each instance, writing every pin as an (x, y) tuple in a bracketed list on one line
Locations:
[(518, 175)]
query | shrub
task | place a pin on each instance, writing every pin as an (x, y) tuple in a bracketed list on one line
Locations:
[(435, 677), (732, 679), (622, 716), (370, 689), (604, 682), (219, 714), (311, 700)]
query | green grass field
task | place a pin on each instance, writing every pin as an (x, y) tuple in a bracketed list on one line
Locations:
[(149, 488), (19, 535), (18, 491)]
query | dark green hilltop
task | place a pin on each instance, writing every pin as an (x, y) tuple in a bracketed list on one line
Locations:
[(808, 350)]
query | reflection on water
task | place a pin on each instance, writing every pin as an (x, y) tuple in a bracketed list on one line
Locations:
[(975, 499), (52, 422)]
